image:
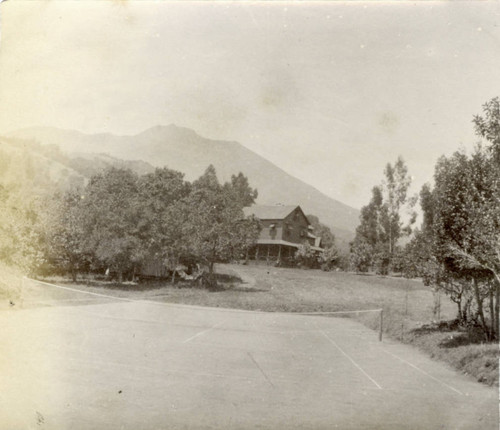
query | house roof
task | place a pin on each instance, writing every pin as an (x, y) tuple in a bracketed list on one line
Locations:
[(269, 211)]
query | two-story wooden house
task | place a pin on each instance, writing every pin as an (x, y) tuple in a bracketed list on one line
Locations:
[(284, 230)]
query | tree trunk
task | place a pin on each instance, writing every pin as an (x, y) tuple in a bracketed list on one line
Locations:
[(492, 314), (120, 276), (467, 311), (209, 281), (73, 274), (497, 308), (439, 306), (390, 236), (462, 313), (211, 268), (480, 312), (461, 317)]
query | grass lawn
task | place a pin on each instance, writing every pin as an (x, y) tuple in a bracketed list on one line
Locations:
[(408, 305)]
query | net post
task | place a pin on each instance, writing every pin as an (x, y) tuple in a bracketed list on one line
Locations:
[(381, 325)]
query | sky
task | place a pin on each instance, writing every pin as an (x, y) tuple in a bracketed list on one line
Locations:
[(328, 91)]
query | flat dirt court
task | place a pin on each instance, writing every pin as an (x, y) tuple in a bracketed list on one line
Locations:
[(86, 362)]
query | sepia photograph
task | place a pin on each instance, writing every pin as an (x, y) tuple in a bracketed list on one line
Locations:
[(249, 215)]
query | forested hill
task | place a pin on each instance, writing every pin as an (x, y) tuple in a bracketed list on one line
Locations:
[(35, 169), (184, 150), (43, 168)]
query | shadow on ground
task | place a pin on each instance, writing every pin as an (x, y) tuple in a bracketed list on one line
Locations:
[(458, 335), (224, 282)]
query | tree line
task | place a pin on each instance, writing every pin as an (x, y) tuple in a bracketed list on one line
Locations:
[(387, 218), (456, 250), (119, 220)]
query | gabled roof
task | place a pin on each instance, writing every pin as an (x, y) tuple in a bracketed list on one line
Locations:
[(269, 211)]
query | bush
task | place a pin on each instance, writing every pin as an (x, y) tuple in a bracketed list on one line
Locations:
[(361, 256), (382, 262)]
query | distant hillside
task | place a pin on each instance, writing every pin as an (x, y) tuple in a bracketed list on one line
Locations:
[(184, 150), (90, 164), (23, 165), (48, 163)]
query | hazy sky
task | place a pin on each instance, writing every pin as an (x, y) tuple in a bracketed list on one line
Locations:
[(330, 92)]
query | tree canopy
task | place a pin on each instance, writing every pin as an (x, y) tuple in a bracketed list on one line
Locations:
[(457, 250), (121, 220), (111, 216), (215, 227), (384, 220)]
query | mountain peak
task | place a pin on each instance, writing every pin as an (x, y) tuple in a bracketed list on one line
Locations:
[(171, 129), (183, 149), (184, 134)]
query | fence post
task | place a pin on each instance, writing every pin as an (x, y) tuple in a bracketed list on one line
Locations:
[(381, 325)]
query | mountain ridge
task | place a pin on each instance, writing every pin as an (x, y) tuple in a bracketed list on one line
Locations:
[(183, 149)]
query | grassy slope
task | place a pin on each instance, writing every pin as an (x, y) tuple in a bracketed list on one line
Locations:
[(461, 351), (10, 284), (407, 306)]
